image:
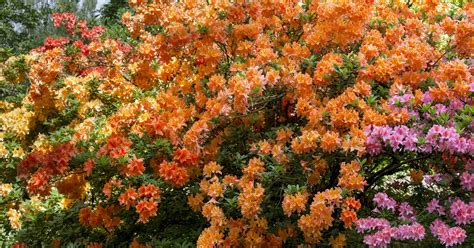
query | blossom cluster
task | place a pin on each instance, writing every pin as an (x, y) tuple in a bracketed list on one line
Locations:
[(460, 211), (247, 123)]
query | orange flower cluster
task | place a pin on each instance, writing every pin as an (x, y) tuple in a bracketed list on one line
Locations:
[(325, 68), (117, 146), (48, 164), (338, 23), (172, 173), (146, 209), (299, 81), (348, 213), (350, 177), (250, 199), (320, 216), (134, 167), (101, 216), (73, 186), (294, 203), (147, 206)]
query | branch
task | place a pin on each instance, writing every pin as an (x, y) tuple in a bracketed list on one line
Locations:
[(395, 166)]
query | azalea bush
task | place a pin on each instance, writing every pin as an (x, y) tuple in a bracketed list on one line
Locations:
[(244, 124)]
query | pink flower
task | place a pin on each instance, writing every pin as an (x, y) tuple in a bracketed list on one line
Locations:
[(406, 212), (379, 239), (434, 206), (383, 201), (415, 231), (447, 236), (371, 224), (462, 212), (467, 181)]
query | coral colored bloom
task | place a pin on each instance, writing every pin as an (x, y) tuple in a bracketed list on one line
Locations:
[(128, 198), (135, 167), (146, 209), (173, 174)]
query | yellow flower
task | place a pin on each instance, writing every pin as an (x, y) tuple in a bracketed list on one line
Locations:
[(18, 121), (4, 106), (5, 189), (42, 144), (18, 152), (338, 242), (65, 203), (3, 150), (14, 218)]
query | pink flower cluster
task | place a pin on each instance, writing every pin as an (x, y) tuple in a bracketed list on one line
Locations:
[(433, 206), (414, 231), (381, 238), (467, 181), (447, 139), (406, 212), (384, 233), (397, 100), (371, 223), (396, 137), (462, 212), (438, 138), (448, 236), (383, 201)]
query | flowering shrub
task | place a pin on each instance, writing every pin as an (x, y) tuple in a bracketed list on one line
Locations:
[(254, 124)]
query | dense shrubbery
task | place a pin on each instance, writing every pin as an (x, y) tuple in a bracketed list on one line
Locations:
[(262, 124)]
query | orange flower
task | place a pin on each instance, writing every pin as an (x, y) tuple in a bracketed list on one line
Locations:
[(89, 166), (136, 244), (146, 209), (330, 141), (348, 217), (173, 174), (196, 202), (149, 191), (94, 245), (128, 198), (338, 242), (214, 214), (416, 176), (294, 203), (73, 186), (283, 135), (351, 202), (215, 189), (250, 199), (325, 68), (345, 118), (264, 147), (210, 237), (211, 168), (185, 158), (135, 167), (107, 188), (349, 177), (84, 214), (254, 168)]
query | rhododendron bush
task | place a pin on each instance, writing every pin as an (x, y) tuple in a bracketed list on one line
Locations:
[(244, 124)]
